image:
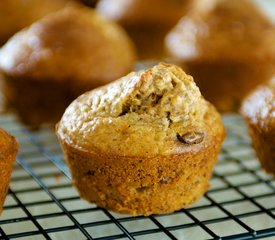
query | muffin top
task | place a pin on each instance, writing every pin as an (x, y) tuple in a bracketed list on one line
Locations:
[(8, 145), (129, 12), (158, 111), (259, 106), (73, 43), (222, 29), (17, 14)]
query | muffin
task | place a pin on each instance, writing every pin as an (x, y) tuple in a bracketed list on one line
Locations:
[(52, 62), (8, 151), (227, 47), (17, 14), (259, 111), (146, 21), (144, 144)]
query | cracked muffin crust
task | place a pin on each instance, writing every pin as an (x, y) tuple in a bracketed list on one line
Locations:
[(227, 46), (144, 144), (259, 111), (8, 151), (52, 62)]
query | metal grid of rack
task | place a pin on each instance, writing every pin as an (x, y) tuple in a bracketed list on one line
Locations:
[(43, 204)]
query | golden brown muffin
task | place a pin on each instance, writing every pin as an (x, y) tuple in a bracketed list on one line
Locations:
[(227, 47), (259, 111), (144, 144), (146, 21), (17, 14), (55, 60), (8, 151)]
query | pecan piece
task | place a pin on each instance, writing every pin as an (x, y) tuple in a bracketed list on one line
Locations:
[(191, 137)]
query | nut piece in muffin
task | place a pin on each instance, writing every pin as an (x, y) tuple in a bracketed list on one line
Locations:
[(52, 62), (227, 46), (8, 151), (144, 144), (259, 111), (146, 21), (17, 14)]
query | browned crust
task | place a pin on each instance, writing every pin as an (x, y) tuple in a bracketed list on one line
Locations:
[(8, 151)]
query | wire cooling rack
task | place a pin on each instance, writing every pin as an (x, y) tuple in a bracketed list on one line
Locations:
[(43, 204)]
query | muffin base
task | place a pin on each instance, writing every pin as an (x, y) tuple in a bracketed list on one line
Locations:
[(143, 185), (5, 174), (226, 83), (38, 102), (263, 141), (6, 164), (149, 40)]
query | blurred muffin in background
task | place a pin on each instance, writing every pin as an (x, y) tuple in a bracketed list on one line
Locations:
[(258, 109), (17, 14), (53, 61), (146, 21), (228, 46)]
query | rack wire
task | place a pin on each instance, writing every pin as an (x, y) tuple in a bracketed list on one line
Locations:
[(43, 204)]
